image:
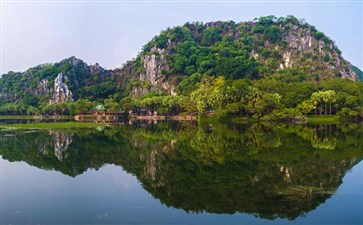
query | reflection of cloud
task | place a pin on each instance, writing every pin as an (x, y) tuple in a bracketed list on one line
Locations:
[(127, 184), (48, 34), (122, 182), (102, 217)]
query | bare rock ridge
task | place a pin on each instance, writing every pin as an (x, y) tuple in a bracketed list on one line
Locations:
[(60, 91), (152, 76)]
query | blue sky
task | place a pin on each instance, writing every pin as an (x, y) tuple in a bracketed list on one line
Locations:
[(112, 32)]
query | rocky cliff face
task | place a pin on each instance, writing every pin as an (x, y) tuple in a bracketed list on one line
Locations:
[(60, 92), (152, 77), (42, 87), (303, 45)]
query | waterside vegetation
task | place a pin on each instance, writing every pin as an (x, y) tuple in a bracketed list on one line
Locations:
[(266, 99)]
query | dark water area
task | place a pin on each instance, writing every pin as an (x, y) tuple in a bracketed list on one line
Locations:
[(179, 173)]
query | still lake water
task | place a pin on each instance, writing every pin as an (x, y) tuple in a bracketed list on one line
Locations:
[(183, 174)]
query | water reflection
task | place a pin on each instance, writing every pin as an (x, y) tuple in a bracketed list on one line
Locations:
[(267, 170)]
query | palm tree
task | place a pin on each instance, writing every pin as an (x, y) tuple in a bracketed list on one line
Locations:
[(332, 98), (315, 99)]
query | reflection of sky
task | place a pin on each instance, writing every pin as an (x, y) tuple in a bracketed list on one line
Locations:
[(110, 195)]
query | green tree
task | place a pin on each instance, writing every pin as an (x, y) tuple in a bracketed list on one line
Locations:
[(111, 105)]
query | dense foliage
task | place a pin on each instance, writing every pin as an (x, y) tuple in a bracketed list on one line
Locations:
[(266, 98)]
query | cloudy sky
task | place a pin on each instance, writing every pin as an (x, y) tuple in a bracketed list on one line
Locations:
[(112, 32)]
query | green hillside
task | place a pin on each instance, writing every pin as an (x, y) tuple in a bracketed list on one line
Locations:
[(358, 72)]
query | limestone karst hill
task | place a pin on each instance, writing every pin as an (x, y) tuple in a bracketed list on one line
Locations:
[(262, 48)]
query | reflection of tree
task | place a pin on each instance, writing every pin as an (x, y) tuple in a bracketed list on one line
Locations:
[(266, 170), (324, 137), (324, 143), (327, 136)]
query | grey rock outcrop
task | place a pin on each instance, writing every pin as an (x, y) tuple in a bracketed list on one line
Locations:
[(60, 92), (42, 87), (302, 44), (153, 77)]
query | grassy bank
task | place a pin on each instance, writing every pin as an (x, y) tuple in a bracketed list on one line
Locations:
[(243, 120), (323, 119), (319, 119), (60, 125), (19, 118)]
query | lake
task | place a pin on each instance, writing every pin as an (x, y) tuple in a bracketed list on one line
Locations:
[(181, 173)]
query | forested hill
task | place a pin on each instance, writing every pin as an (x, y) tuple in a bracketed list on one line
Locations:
[(358, 72), (178, 61), (264, 47), (68, 80)]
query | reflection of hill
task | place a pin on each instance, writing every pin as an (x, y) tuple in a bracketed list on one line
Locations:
[(258, 170), (71, 153), (270, 171)]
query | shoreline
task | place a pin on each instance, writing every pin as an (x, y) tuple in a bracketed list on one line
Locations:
[(311, 119), (25, 117), (161, 118)]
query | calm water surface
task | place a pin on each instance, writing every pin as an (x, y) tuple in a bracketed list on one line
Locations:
[(183, 174)]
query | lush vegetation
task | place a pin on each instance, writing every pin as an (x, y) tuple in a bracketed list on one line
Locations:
[(269, 99)]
